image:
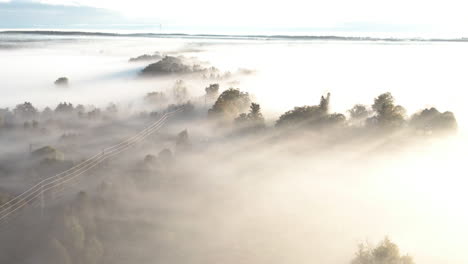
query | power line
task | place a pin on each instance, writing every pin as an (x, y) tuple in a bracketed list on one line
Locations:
[(38, 190)]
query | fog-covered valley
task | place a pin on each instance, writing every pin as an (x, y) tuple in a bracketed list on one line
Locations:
[(248, 151)]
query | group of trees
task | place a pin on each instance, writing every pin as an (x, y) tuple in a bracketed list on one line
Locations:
[(146, 57), (316, 115), (383, 114), (29, 116), (167, 65), (253, 120), (179, 65)]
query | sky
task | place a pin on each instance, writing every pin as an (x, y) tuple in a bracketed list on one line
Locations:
[(447, 17)]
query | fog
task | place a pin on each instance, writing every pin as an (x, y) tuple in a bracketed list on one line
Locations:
[(233, 188)]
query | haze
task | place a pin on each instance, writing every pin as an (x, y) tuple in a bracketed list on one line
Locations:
[(233, 192)]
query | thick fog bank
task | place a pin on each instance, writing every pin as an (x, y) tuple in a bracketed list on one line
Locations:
[(324, 146)]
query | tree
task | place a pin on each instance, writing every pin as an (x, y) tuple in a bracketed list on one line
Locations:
[(359, 112), (165, 156), (80, 108), (25, 110), (255, 113), (94, 114), (315, 116), (325, 103), (230, 104), (183, 142), (253, 120), (64, 108), (212, 91), (112, 108), (47, 112), (386, 252), (168, 65), (431, 120), (388, 115), (62, 81)]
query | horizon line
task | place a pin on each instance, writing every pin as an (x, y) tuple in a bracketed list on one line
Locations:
[(228, 36)]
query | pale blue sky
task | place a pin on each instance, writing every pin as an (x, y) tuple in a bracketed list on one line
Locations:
[(361, 17)]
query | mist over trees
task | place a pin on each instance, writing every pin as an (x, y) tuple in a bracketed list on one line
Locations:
[(147, 57), (386, 252), (312, 116), (85, 229), (168, 65)]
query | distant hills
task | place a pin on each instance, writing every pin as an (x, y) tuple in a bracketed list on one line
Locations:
[(214, 36)]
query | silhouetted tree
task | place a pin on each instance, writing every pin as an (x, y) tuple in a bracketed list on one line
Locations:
[(25, 110), (431, 120), (147, 57), (64, 108), (315, 116), (212, 92), (253, 120), (388, 115), (359, 112), (230, 104), (325, 103), (168, 65), (47, 112), (80, 108), (62, 81)]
